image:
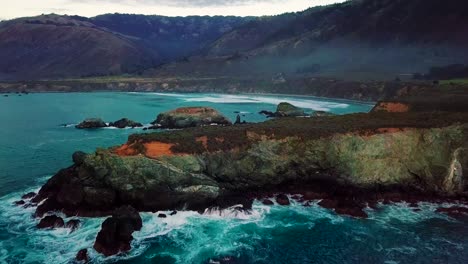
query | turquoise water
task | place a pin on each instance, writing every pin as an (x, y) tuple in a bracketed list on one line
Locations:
[(34, 145)]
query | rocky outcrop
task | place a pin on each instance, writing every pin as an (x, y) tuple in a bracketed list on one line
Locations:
[(190, 117), (198, 168), (82, 256), (287, 109), (345, 162), (284, 110), (51, 221), (91, 123), (125, 122), (391, 107), (116, 232)]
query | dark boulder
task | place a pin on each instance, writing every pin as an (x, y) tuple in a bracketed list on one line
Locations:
[(173, 213), (454, 211), (78, 157), (267, 202), (116, 231), (91, 123), (162, 215), (282, 199), (73, 224), (29, 195), (345, 207), (20, 202), (267, 113), (82, 256), (51, 221), (125, 122)]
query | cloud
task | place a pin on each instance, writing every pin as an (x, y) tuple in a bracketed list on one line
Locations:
[(89, 8), (187, 3)]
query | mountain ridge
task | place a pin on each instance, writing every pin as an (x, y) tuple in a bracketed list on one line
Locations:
[(358, 39)]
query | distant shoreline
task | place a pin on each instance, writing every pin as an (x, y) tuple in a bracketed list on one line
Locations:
[(217, 93)]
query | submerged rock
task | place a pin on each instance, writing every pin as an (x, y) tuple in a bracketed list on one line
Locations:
[(454, 211), (125, 122), (116, 231), (20, 202), (82, 256), (51, 221), (29, 195), (91, 123), (190, 117), (282, 199), (73, 224)]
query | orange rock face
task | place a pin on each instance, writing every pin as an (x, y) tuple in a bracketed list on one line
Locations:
[(391, 107), (157, 149), (126, 150), (152, 150)]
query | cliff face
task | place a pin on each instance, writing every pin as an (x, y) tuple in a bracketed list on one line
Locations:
[(196, 172)]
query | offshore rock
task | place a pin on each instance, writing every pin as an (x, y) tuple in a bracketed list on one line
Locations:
[(284, 110), (125, 122), (287, 109), (82, 256), (91, 123), (51, 221), (116, 232), (190, 117), (73, 224)]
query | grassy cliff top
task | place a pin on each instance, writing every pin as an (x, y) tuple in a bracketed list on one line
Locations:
[(214, 138)]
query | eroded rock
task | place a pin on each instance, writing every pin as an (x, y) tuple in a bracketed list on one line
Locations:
[(51, 221), (125, 122), (116, 231), (190, 117), (90, 123), (82, 256)]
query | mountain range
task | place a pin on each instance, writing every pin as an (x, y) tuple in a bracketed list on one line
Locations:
[(357, 39)]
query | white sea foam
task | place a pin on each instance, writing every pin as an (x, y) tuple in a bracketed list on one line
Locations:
[(313, 104), (218, 230)]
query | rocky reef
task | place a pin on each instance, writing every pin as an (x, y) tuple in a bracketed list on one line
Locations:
[(125, 122), (190, 117), (91, 123)]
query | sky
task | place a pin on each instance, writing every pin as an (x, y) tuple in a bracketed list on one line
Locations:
[(21, 8)]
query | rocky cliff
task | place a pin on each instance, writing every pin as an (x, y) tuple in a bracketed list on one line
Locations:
[(202, 167)]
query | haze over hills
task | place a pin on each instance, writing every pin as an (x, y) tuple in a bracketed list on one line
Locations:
[(53, 46), (360, 39), (356, 39)]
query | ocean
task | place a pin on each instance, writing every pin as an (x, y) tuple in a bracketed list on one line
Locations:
[(37, 138)]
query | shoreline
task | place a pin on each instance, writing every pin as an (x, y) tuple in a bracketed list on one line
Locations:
[(213, 93)]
